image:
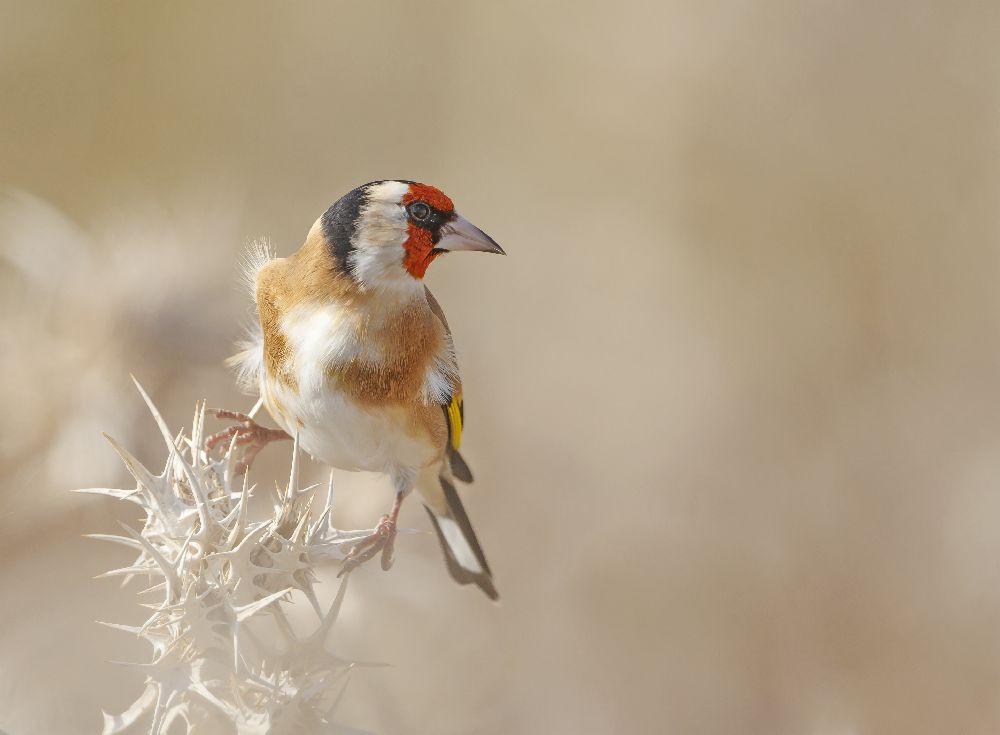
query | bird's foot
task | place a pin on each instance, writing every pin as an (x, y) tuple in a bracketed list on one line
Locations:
[(382, 539), (250, 435)]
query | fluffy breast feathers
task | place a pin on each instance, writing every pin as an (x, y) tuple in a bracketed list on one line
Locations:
[(249, 360), (315, 331)]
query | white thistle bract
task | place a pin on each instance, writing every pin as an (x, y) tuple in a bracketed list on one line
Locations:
[(225, 657)]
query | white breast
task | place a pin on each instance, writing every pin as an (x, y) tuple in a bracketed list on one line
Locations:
[(331, 426), (335, 430)]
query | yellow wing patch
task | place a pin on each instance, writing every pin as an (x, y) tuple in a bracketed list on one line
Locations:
[(454, 413)]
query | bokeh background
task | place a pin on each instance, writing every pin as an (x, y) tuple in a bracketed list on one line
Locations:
[(733, 398)]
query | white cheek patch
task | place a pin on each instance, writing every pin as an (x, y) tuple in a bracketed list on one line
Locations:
[(387, 191), (382, 223), (376, 260), (381, 267), (464, 554)]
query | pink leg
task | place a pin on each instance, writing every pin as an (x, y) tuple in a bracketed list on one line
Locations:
[(383, 539), (249, 434)]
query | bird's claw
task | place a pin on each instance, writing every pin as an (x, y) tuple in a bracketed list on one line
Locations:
[(382, 539), (248, 433)]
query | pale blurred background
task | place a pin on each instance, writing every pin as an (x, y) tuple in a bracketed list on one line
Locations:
[(733, 399)]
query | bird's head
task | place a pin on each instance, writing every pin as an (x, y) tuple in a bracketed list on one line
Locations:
[(384, 234)]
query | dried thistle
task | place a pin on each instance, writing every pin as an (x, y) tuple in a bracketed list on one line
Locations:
[(225, 656)]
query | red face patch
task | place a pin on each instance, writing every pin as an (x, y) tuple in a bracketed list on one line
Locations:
[(419, 248), (419, 243), (433, 196)]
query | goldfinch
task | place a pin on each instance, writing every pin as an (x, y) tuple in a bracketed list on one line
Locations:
[(354, 356)]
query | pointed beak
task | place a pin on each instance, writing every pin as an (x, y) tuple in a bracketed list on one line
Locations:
[(460, 234)]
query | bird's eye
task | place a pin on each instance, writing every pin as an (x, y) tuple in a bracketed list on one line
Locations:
[(419, 211)]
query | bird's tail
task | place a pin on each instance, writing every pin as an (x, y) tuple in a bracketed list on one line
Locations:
[(462, 552)]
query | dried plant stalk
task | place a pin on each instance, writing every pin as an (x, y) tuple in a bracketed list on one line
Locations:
[(225, 657)]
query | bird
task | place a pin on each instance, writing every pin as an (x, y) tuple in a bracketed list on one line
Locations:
[(352, 354)]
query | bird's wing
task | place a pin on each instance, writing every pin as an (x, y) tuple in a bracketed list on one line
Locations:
[(454, 409)]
